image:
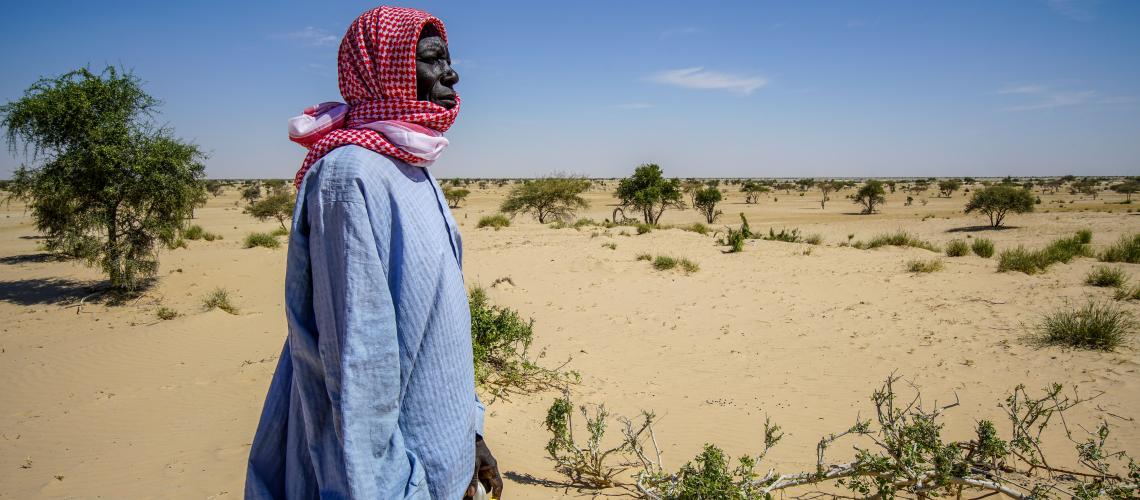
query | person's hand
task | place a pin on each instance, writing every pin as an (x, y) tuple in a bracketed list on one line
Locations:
[(486, 470)]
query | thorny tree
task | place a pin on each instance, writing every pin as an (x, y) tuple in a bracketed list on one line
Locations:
[(108, 185)]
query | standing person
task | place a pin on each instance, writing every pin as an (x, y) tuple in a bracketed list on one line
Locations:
[(374, 393)]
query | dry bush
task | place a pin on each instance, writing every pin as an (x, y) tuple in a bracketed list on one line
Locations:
[(957, 248), (496, 221), (983, 247), (1126, 249), (266, 240), (924, 266), (219, 298), (1097, 326), (1105, 276)]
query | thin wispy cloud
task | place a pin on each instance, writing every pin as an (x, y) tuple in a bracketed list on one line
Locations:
[(1045, 97), (310, 37), (1077, 10), (699, 78)]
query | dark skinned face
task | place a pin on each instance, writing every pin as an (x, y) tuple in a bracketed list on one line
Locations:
[(435, 79)]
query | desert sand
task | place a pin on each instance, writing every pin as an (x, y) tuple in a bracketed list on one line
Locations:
[(107, 401)]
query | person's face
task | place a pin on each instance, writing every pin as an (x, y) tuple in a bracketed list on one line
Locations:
[(435, 79)]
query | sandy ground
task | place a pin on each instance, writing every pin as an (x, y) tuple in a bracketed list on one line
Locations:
[(108, 401)]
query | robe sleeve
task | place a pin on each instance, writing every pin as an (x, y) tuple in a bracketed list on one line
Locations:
[(360, 353)]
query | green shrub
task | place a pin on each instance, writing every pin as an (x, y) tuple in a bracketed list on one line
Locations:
[(696, 227), (266, 240), (735, 241), (611, 245), (1084, 236), (1126, 249), (280, 231), (496, 221), (1106, 277), (957, 248), (1033, 262), (583, 222), (924, 266), (1102, 327), (898, 239), (1019, 259), (983, 247), (814, 239), (689, 266), (644, 228), (784, 235), (194, 233), (166, 313), (219, 298), (500, 339), (664, 262), (644, 256), (1125, 292)]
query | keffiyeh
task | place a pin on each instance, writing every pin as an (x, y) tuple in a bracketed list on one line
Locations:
[(377, 76)]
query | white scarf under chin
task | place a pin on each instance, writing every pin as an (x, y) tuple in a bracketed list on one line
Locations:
[(317, 121)]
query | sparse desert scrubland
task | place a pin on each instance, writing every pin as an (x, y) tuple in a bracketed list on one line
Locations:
[(800, 310)]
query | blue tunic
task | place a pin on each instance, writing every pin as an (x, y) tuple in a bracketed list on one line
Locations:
[(374, 394)]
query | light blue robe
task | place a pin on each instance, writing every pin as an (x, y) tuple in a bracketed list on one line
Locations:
[(374, 394)]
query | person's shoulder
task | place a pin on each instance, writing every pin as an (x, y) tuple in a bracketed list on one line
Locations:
[(352, 173)]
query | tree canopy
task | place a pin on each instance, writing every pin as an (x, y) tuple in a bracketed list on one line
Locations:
[(649, 192), (706, 201), (554, 197), (106, 184), (870, 196), (998, 200)]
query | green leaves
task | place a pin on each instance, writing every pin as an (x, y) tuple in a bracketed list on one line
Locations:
[(111, 185)]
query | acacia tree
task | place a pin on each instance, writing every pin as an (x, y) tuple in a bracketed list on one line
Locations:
[(275, 206), (870, 196), (752, 191), (706, 201), (554, 197), (825, 188), (691, 187), (109, 184), (648, 192), (998, 200), (1127, 188), (455, 195), (948, 186)]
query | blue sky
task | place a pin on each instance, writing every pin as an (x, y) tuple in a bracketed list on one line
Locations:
[(714, 89)]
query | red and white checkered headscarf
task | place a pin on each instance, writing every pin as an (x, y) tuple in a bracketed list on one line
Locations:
[(377, 75)]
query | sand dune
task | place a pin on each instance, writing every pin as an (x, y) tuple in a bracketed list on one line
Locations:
[(108, 401)]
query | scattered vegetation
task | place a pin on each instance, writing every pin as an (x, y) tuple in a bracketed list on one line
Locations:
[(907, 454), (261, 240), (165, 313), (500, 340), (870, 196), (644, 256), (455, 196), (1097, 326), (1060, 250), (666, 262), (784, 235), (611, 245), (496, 221), (112, 185), (195, 232), (555, 197), (999, 200), (278, 205), (898, 239), (1126, 249), (706, 201), (1104, 276), (648, 192), (957, 248), (219, 298), (924, 266), (983, 247), (814, 239)]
